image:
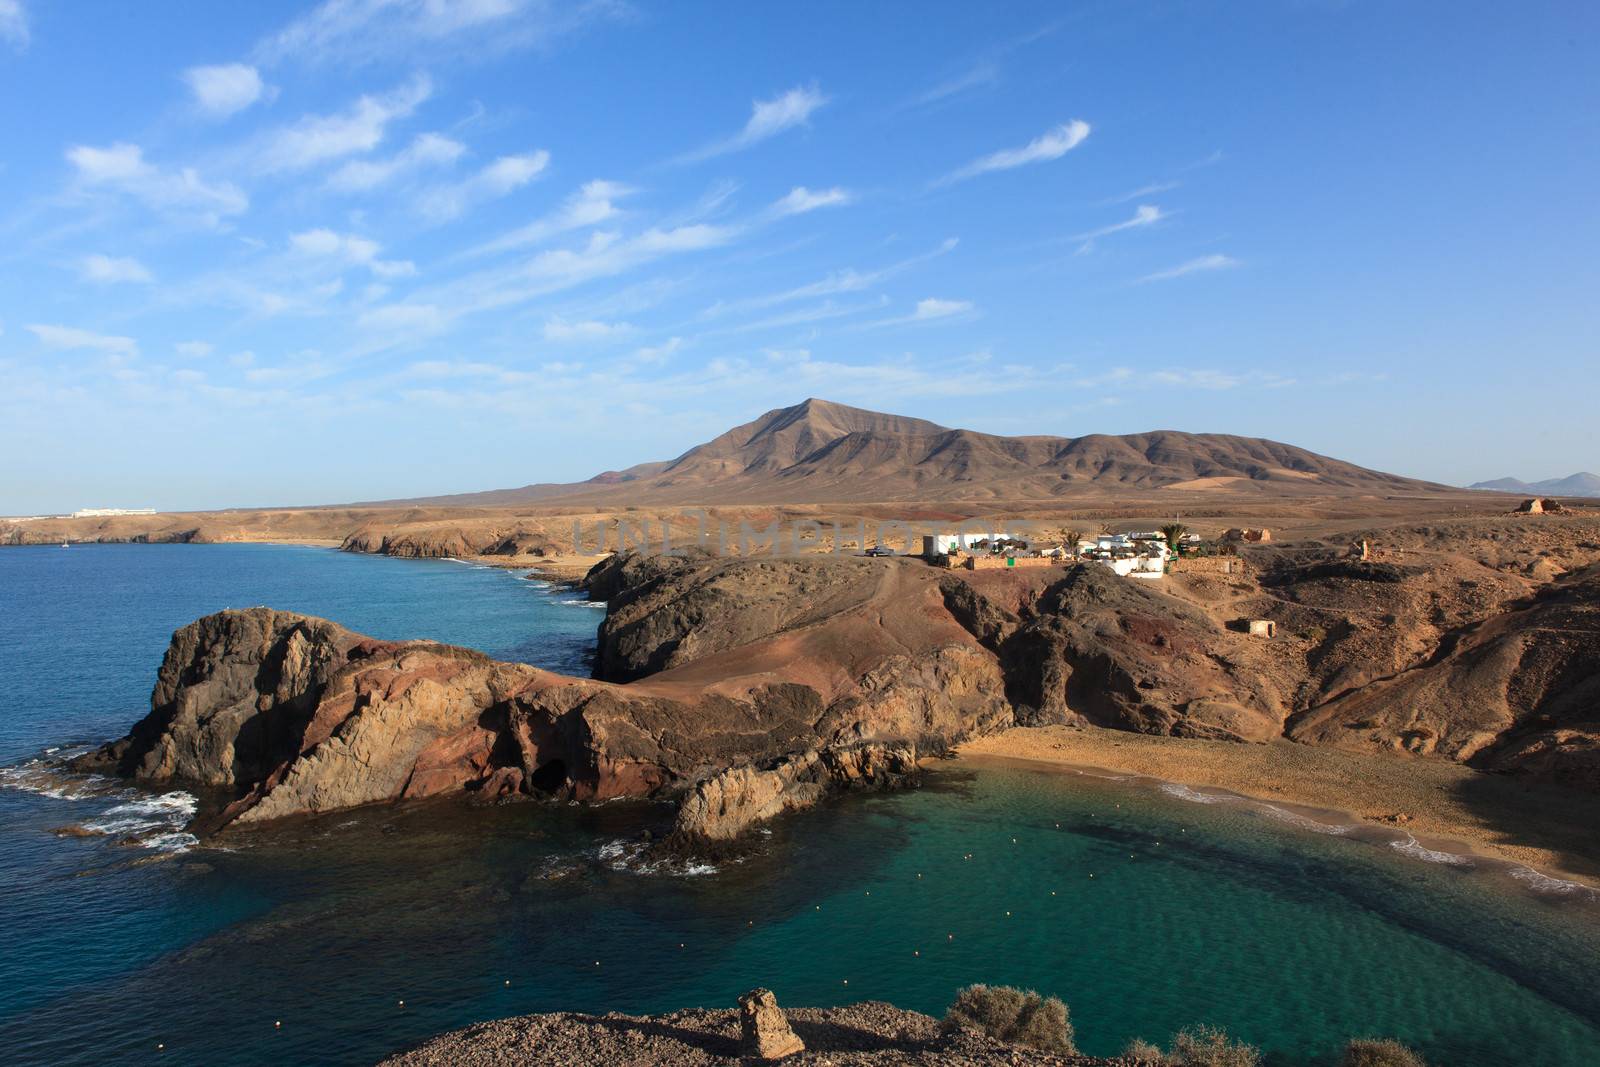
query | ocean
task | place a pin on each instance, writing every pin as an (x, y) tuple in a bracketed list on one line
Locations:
[(344, 938)]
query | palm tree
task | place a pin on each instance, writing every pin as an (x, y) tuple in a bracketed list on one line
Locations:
[(1174, 533)]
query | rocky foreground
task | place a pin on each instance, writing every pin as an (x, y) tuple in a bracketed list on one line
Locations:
[(856, 1035), (743, 688)]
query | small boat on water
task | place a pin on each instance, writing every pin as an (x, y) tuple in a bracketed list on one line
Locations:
[(64, 543)]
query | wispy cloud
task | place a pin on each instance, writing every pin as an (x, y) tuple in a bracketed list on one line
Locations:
[(71, 337), (1051, 145), (930, 309), (560, 329), (1140, 193), (359, 128), (1216, 261), (848, 280), (223, 90), (194, 349), (981, 75), (14, 24), (426, 150), (768, 118), (354, 32), (122, 168), (591, 205), (1143, 215), (800, 200), (109, 269), (504, 175), (349, 250)]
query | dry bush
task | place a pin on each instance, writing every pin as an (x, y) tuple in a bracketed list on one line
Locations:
[(1143, 1051), (1013, 1015), (1207, 1046), (1376, 1052)]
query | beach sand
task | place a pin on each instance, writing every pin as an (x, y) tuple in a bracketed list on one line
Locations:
[(1551, 829)]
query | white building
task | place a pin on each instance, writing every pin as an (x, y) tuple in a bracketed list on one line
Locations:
[(944, 544), (102, 513)]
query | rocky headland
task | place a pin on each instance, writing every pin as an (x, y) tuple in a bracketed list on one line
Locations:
[(742, 688)]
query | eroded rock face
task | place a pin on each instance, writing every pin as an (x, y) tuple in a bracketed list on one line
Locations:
[(764, 1032), (1099, 649), (297, 716)]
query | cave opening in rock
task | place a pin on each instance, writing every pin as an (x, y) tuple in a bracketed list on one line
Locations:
[(550, 776)]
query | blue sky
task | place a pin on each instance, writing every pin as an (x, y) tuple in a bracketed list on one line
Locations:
[(299, 253)]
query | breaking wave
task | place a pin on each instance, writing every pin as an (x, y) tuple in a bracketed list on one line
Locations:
[(1411, 848), (585, 603), (146, 820), (628, 856), (1305, 822), (1194, 796), (1539, 882)]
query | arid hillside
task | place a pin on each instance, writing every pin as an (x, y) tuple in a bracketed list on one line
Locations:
[(821, 451)]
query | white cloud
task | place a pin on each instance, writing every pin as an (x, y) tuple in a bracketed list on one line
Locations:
[(427, 150), (559, 329), (842, 281), (225, 89), (106, 269), (767, 119), (71, 337), (122, 168), (193, 349), (933, 308), (1193, 266), (359, 128), (591, 205), (980, 75), (14, 23), (404, 319), (1143, 191), (1143, 215), (1051, 145), (930, 309), (800, 200), (349, 250), (366, 31), (608, 254), (504, 175), (658, 353)]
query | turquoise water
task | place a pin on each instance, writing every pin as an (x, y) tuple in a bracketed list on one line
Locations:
[(1213, 913)]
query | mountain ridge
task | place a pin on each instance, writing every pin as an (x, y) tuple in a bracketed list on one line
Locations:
[(1583, 483), (820, 450)]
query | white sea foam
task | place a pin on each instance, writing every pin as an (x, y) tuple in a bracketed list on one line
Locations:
[(628, 857), (154, 822), (1183, 792), (1305, 822), (1544, 883), (1428, 855), (585, 603)]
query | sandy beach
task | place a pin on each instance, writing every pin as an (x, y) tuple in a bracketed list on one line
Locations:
[(1544, 827)]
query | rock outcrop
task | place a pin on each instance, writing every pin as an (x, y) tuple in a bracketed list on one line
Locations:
[(872, 1034), (764, 1031), (294, 715)]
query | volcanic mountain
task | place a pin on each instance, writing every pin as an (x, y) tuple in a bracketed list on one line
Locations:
[(1581, 484), (820, 451)]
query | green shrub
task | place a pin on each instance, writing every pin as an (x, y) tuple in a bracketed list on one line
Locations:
[(1013, 1015), (1376, 1052), (1143, 1051), (1206, 1046)]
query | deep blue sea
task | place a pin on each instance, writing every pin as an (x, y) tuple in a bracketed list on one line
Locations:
[(1146, 910)]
